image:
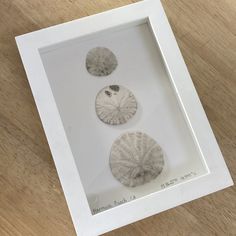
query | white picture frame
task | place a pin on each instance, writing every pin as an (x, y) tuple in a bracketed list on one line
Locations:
[(150, 12)]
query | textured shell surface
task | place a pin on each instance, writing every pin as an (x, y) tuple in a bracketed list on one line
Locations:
[(115, 105), (101, 61), (136, 159)]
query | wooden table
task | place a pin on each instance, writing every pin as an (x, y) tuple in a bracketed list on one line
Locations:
[(31, 198)]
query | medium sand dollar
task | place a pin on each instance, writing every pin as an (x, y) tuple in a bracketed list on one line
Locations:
[(115, 105), (136, 159), (101, 61)]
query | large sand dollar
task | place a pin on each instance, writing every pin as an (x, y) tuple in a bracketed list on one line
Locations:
[(101, 61), (136, 159), (115, 105)]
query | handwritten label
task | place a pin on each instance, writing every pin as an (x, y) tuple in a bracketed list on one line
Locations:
[(116, 202), (179, 179), (169, 183)]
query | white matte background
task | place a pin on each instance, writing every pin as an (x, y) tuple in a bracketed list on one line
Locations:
[(141, 70)]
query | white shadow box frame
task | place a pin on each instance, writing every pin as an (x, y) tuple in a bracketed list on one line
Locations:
[(50, 52)]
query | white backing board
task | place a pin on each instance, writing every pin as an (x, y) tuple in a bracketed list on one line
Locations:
[(141, 69)]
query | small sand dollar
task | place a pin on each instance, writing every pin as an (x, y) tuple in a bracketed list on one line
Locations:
[(136, 159), (101, 61), (115, 105)]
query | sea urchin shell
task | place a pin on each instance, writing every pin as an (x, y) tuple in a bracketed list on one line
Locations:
[(101, 61), (115, 105), (136, 159)]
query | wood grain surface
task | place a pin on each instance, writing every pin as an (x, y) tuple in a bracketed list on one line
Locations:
[(31, 198)]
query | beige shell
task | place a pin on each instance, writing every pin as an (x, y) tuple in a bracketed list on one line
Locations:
[(115, 105), (136, 159), (101, 61)]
